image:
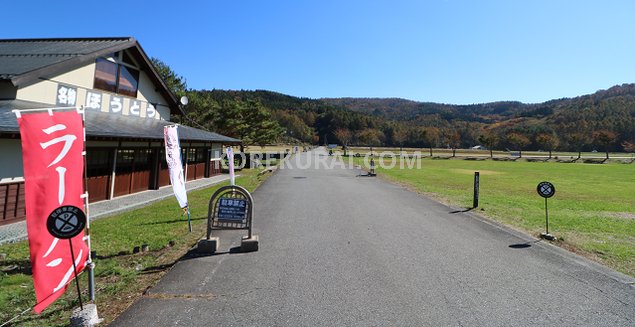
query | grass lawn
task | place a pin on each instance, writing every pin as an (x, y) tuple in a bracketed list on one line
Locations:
[(121, 275), (592, 212)]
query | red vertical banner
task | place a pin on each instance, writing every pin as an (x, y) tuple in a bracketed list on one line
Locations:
[(52, 146)]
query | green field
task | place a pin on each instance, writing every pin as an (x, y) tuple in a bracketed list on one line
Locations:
[(592, 212), (121, 275)]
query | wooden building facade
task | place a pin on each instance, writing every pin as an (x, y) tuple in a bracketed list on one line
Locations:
[(127, 106)]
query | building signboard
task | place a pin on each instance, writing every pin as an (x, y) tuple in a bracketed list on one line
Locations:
[(116, 104), (67, 96), (93, 100)]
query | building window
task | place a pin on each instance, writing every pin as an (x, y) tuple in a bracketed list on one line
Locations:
[(116, 78), (99, 162), (106, 75), (200, 155), (128, 81), (125, 159)]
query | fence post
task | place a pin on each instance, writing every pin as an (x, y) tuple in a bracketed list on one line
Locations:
[(476, 189)]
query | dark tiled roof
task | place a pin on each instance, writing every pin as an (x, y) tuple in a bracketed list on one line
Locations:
[(27, 61), (20, 56), (112, 126)]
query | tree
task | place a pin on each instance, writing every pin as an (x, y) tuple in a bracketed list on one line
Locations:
[(548, 141), (454, 140), (175, 83), (248, 121), (518, 140), (490, 139), (256, 125), (399, 136), (295, 126), (629, 146), (370, 137), (604, 138), (577, 141), (344, 135), (432, 135)]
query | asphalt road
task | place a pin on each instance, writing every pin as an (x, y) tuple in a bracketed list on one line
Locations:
[(342, 250)]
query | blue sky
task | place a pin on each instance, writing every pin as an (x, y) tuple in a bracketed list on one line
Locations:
[(447, 51)]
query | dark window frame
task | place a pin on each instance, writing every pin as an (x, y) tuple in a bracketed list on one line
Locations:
[(102, 84), (99, 161)]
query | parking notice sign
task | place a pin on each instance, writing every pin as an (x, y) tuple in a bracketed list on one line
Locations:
[(232, 209), (546, 189)]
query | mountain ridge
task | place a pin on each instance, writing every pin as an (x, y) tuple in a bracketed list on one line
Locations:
[(604, 119)]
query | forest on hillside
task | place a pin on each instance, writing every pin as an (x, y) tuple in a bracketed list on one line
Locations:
[(603, 121)]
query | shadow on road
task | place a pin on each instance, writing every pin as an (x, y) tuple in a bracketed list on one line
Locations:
[(523, 245), (459, 211), (193, 253), (365, 175), (184, 219)]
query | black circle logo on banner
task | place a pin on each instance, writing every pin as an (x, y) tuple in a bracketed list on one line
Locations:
[(546, 189), (66, 222)]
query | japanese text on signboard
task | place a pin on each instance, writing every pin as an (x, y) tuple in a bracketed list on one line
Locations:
[(67, 96), (232, 209)]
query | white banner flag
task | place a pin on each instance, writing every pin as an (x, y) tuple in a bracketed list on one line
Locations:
[(230, 157), (173, 158)]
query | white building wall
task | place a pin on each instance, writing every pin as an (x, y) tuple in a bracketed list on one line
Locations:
[(46, 90), (11, 161), (83, 79), (147, 92)]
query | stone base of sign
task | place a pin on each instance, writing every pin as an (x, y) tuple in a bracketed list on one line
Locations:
[(208, 246), (85, 318), (547, 236), (249, 244)]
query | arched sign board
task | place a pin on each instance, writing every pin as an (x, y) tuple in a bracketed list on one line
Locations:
[(546, 189), (231, 207), (66, 222)]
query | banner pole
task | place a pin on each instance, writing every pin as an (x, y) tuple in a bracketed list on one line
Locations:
[(17, 112), (230, 156), (187, 158), (79, 293), (189, 222), (546, 216), (89, 264)]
